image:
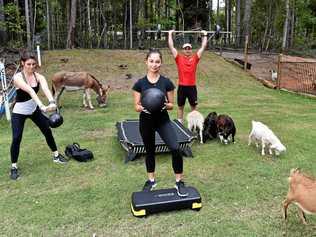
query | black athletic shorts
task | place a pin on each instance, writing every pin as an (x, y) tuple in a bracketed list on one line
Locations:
[(189, 92)]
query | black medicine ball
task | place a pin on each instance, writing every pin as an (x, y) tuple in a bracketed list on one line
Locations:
[(55, 120), (153, 100)]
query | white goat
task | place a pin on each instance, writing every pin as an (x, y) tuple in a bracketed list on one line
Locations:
[(195, 123), (274, 75), (260, 133)]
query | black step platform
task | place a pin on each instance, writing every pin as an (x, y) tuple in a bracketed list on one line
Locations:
[(131, 140), (144, 202)]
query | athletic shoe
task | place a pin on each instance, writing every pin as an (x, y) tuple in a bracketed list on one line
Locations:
[(14, 173), (60, 159), (149, 185), (181, 189)]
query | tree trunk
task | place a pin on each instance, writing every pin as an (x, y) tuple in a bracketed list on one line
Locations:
[(158, 9), (167, 9), (48, 25), (125, 24), (34, 23), (19, 35), (80, 24), (89, 24), (130, 24), (217, 13), (210, 11), (72, 25), (226, 14), (146, 9), (196, 25), (28, 27), (3, 33), (291, 42), (238, 18), (104, 30), (229, 17), (97, 30), (246, 19), (67, 11), (114, 42), (228, 11), (266, 29), (31, 22), (52, 26), (286, 25), (181, 14)]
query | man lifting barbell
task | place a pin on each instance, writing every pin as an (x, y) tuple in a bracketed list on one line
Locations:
[(187, 63)]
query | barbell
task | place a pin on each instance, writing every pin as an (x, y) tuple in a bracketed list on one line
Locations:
[(180, 31), (217, 30)]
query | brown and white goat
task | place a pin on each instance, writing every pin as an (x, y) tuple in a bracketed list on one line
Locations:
[(226, 129), (302, 192), (76, 81)]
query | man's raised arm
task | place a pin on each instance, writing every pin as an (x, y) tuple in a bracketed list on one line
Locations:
[(204, 43), (170, 44)]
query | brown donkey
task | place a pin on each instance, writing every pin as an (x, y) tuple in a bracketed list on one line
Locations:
[(76, 81)]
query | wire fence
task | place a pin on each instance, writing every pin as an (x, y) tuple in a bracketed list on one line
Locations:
[(297, 74)]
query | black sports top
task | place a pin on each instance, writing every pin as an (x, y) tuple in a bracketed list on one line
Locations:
[(163, 83), (21, 95)]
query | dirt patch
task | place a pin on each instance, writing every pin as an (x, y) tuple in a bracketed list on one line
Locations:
[(297, 74), (261, 64)]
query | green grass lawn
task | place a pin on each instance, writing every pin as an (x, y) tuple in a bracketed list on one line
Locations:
[(241, 191)]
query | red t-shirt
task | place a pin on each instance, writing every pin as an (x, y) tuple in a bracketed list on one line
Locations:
[(187, 69)]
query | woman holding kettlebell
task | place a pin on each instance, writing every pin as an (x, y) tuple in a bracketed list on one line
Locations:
[(28, 105), (151, 121)]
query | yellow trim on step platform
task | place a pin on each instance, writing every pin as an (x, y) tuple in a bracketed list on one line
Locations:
[(196, 205), (141, 212)]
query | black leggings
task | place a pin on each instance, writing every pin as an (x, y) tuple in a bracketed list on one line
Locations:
[(161, 123), (17, 122)]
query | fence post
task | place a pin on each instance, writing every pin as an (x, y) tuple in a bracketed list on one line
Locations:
[(246, 53), (279, 71)]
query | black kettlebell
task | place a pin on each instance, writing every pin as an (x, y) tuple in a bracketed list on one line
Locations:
[(153, 100), (55, 120)]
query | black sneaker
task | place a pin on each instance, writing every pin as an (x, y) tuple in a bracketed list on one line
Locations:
[(181, 189), (149, 185), (14, 173), (60, 159)]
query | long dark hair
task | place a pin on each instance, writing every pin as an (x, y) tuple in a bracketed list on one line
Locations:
[(25, 55)]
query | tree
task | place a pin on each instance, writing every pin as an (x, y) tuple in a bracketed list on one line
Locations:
[(286, 25), (195, 14), (238, 27), (247, 17), (72, 24), (48, 27), (210, 14), (217, 13), (92, 23), (228, 14), (3, 34), (28, 26), (89, 24)]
